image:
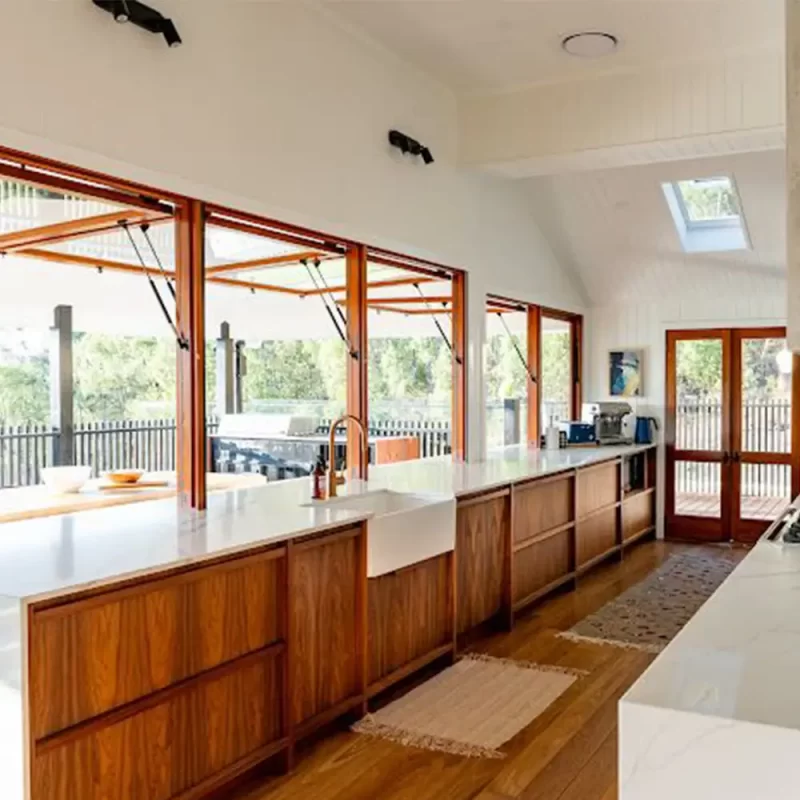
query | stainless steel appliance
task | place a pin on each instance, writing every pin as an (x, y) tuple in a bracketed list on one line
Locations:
[(611, 422), (786, 528)]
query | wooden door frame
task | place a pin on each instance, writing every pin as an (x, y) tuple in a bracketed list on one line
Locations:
[(745, 530), (702, 528), (729, 526)]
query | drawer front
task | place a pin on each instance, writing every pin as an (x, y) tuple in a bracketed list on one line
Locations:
[(637, 515), (596, 535), (95, 655), (542, 506), (538, 565), (168, 748), (597, 487)]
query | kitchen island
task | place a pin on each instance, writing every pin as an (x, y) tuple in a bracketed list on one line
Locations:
[(717, 714), (149, 652)]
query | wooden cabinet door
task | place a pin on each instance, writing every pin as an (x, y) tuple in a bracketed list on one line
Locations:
[(482, 557), (327, 578)]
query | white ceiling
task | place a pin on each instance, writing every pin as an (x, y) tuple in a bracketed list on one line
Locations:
[(612, 227), (498, 45)]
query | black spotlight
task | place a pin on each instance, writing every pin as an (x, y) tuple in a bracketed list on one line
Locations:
[(143, 17), (405, 144)]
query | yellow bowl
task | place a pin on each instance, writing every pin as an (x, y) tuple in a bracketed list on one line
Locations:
[(124, 476)]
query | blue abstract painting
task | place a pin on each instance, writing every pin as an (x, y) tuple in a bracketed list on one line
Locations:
[(625, 368)]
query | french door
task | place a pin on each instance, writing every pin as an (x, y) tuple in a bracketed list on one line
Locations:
[(731, 403)]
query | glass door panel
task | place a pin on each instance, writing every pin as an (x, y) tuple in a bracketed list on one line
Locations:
[(697, 440), (762, 430)]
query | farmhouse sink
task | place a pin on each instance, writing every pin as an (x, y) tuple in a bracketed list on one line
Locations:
[(406, 527)]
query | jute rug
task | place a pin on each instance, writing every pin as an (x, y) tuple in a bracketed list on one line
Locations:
[(650, 614), (472, 708)]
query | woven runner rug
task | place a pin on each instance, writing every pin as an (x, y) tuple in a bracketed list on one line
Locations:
[(472, 708), (650, 614)]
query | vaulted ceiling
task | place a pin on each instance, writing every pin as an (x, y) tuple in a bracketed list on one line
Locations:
[(497, 45), (613, 229)]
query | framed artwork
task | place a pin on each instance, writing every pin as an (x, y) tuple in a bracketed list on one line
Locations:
[(625, 373)]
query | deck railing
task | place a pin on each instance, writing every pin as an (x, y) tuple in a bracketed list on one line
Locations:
[(766, 428)]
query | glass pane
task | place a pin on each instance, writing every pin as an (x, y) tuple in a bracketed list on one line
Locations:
[(766, 490), (698, 377), (506, 378), (697, 489), (556, 373), (709, 200), (410, 364), (766, 396)]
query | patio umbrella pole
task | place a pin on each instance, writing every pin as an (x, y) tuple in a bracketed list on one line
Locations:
[(516, 348), (182, 343)]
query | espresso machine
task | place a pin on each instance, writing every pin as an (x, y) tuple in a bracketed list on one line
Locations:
[(613, 422)]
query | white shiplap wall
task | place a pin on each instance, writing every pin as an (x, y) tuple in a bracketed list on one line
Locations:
[(743, 301), (605, 120)]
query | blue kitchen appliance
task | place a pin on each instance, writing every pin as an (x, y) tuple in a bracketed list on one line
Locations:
[(644, 429), (577, 432)]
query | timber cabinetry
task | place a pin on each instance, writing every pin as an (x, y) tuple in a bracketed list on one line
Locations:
[(597, 502), (172, 686), (543, 535), (327, 596), (483, 553), (411, 620), (639, 497)]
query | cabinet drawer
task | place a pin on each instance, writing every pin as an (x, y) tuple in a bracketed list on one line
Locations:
[(162, 751), (94, 655), (637, 514), (596, 535), (542, 563), (542, 506)]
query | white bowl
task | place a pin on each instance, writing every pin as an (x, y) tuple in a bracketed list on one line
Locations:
[(65, 480)]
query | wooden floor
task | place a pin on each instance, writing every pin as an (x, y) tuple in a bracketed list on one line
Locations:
[(693, 504), (569, 752)]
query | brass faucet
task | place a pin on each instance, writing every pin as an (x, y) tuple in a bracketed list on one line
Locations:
[(335, 480)]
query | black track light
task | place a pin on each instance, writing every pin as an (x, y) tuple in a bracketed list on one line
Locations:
[(143, 17), (171, 34), (406, 145)]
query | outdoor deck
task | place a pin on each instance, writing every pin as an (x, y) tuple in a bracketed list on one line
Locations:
[(708, 505)]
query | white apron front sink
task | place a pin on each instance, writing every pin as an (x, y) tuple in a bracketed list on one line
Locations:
[(406, 528)]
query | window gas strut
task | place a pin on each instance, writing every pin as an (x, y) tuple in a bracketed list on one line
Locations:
[(436, 323), (516, 348), (353, 353), (145, 227), (182, 343), (330, 293)]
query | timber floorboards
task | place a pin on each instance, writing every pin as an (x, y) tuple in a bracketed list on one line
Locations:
[(568, 753)]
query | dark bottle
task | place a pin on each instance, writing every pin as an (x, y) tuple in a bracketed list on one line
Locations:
[(318, 479)]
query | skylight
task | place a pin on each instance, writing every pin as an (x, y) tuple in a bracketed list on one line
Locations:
[(707, 214)]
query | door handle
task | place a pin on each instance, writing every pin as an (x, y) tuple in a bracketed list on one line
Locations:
[(737, 457), (726, 458)]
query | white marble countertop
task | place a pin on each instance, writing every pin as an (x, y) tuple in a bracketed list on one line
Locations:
[(55, 555), (738, 659)]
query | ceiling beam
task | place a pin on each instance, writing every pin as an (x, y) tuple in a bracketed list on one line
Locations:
[(77, 228), (376, 285), (121, 266), (404, 301), (272, 261), (275, 235)]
